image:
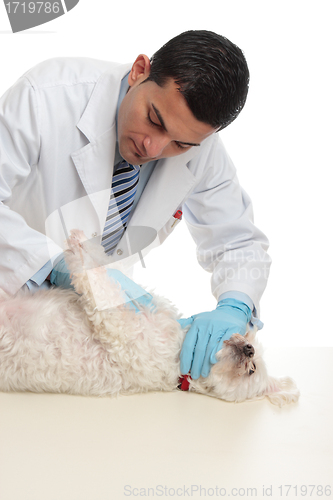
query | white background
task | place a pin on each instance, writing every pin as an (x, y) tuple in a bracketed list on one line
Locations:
[(280, 144)]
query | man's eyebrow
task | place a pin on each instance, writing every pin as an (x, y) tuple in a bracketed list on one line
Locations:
[(158, 114)]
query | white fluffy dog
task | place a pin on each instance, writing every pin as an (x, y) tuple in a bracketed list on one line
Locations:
[(91, 343)]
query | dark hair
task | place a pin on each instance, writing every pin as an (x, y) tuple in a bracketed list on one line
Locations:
[(211, 72)]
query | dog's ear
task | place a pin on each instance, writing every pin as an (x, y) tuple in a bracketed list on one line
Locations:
[(282, 391)]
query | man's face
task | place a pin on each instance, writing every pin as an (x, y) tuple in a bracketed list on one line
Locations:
[(155, 122)]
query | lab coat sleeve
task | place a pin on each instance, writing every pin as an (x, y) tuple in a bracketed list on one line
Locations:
[(23, 250), (219, 215)]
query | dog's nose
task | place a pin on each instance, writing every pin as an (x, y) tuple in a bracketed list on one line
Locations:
[(248, 350)]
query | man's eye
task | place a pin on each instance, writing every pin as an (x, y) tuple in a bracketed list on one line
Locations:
[(151, 121), (181, 146)]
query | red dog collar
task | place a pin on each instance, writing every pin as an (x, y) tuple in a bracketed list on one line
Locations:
[(184, 382)]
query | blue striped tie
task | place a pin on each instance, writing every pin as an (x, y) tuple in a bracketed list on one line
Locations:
[(124, 185)]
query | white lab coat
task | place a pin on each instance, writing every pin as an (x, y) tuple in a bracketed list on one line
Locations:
[(57, 145)]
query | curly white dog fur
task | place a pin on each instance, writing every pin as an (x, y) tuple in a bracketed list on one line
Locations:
[(91, 343)]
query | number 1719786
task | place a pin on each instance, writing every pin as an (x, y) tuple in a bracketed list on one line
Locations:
[(33, 7)]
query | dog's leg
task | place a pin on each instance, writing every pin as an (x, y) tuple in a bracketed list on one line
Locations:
[(102, 299)]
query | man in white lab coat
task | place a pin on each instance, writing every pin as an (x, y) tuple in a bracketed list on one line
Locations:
[(67, 122)]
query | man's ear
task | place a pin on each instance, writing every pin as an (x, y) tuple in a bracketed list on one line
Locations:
[(140, 70)]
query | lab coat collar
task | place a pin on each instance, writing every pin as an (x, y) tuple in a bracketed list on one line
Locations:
[(94, 162), (100, 113)]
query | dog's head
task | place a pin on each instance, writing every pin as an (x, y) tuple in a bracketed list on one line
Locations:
[(240, 374), (237, 358)]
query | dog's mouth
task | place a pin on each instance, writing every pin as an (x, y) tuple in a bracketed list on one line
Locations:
[(252, 368)]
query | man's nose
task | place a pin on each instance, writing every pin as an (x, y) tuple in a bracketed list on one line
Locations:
[(155, 145)]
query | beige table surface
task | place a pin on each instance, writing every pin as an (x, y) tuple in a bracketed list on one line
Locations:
[(179, 445)]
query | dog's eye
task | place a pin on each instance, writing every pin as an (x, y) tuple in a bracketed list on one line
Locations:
[(253, 369)]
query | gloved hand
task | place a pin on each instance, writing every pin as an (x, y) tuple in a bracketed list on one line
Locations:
[(207, 333), (60, 275)]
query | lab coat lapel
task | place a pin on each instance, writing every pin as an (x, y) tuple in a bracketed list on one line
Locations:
[(94, 162)]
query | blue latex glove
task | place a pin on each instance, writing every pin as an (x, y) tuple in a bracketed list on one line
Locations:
[(135, 294), (207, 333), (60, 275)]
